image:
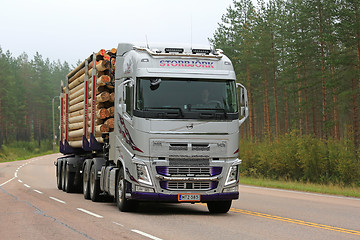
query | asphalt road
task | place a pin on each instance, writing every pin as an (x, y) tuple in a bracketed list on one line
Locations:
[(31, 207)]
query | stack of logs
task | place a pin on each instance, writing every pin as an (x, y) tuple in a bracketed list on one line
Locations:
[(104, 120)]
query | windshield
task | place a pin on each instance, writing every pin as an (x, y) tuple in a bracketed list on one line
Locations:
[(186, 98)]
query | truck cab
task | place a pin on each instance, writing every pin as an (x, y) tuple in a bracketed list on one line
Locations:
[(178, 110)]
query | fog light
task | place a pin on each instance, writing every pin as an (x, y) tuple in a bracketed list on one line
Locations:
[(230, 189), (143, 189)]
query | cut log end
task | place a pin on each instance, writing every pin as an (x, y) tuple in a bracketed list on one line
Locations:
[(104, 128), (111, 111), (110, 122), (103, 80), (113, 51), (103, 97), (102, 52), (103, 113)]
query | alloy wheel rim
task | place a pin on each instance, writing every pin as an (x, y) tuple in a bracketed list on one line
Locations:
[(120, 190)]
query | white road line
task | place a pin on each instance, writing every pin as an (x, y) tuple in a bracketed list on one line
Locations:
[(90, 213), (146, 234), (58, 200), (19, 181), (7, 181), (37, 191), (16, 175), (118, 224)]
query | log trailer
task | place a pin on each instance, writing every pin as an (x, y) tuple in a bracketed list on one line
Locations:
[(152, 124)]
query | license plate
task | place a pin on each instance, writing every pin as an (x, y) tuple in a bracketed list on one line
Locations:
[(189, 197)]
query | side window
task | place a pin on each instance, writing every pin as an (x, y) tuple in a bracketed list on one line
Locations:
[(129, 96)]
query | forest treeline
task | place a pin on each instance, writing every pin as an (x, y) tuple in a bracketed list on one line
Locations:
[(27, 88), (300, 61)]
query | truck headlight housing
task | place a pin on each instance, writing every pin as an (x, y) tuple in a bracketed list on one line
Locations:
[(143, 174), (232, 175)]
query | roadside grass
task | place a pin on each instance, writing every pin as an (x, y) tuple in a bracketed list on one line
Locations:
[(18, 157), (348, 191), (23, 150)]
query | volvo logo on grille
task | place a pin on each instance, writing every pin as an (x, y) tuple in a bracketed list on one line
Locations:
[(190, 126)]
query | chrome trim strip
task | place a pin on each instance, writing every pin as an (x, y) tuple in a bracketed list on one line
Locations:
[(186, 133), (188, 178)]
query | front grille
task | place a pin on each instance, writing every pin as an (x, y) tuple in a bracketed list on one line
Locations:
[(174, 185), (172, 171), (175, 161), (178, 147), (188, 171), (200, 147)]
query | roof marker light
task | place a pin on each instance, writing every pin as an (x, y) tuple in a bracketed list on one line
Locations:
[(177, 50), (203, 51)]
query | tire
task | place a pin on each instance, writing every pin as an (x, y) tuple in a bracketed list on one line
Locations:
[(219, 207), (59, 170), (86, 190), (123, 204), (69, 180), (63, 177), (94, 185)]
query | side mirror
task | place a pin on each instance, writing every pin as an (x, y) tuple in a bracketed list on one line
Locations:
[(243, 103), (242, 96), (121, 90), (242, 111)]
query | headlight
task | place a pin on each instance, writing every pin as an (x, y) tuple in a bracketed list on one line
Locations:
[(143, 174), (232, 175)]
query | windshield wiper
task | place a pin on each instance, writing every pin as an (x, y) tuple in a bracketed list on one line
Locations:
[(165, 108), (212, 109)]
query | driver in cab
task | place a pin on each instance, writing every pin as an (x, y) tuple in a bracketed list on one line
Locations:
[(207, 101)]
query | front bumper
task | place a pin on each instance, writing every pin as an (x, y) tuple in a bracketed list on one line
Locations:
[(142, 196)]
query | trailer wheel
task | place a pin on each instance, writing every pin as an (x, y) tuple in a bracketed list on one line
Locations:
[(94, 185), (219, 206), (86, 191), (58, 171), (122, 203), (69, 180), (63, 176)]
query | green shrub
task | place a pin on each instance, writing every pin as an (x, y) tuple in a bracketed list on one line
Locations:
[(301, 158)]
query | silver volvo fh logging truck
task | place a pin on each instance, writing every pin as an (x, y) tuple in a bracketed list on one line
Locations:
[(178, 110)]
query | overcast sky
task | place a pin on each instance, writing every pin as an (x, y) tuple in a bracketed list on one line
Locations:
[(70, 30)]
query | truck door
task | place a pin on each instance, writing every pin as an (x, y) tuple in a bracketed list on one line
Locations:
[(126, 111)]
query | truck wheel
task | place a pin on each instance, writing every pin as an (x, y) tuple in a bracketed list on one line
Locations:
[(122, 203), (219, 207), (86, 191), (59, 170), (94, 185), (69, 179)]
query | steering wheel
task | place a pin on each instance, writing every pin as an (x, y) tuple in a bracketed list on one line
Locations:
[(214, 102)]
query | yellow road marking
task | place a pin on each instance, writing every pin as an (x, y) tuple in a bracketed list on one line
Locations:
[(295, 221)]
